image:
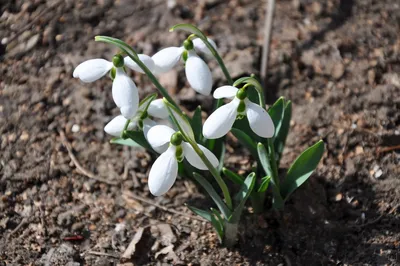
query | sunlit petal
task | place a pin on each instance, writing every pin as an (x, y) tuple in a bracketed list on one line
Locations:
[(198, 74), (259, 120), (200, 46), (115, 126), (225, 92), (166, 59), (92, 69), (158, 136), (147, 61), (157, 109), (221, 121), (125, 94), (163, 172), (194, 159)]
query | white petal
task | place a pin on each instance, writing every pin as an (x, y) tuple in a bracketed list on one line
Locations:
[(147, 124), (259, 120), (201, 47), (92, 69), (158, 136), (157, 109), (149, 63), (194, 159), (225, 92), (163, 173), (125, 94), (221, 121), (115, 126), (166, 59), (198, 74)]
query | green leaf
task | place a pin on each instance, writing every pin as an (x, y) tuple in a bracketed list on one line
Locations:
[(139, 138), (264, 159), (126, 142), (213, 194), (219, 228), (242, 197), (235, 178), (276, 112), (190, 28), (197, 125), (246, 140), (180, 120), (264, 184), (266, 164), (302, 168), (281, 135), (202, 213)]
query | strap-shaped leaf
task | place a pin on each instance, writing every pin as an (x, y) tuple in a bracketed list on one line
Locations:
[(246, 140), (202, 213), (264, 184), (219, 228), (125, 142), (213, 194), (242, 197), (302, 168), (281, 135), (197, 125), (276, 112), (132, 138), (235, 178), (266, 164), (264, 159), (180, 120)]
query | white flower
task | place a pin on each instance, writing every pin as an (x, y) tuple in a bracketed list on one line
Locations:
[(221, 121), (197, 71), (164, 171), (93, 69), (125, 94), (117, 124)]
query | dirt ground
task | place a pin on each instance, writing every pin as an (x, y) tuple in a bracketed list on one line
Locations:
[(337, 60)]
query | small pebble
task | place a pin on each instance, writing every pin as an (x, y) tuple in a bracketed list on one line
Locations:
[(378, 173), (75, 128)]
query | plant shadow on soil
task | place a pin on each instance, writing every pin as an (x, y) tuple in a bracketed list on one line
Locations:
[(317, 228)]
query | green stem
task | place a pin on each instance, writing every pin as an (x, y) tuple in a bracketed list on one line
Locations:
[(214, 172)]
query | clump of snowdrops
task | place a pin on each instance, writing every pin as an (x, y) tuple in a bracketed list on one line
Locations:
[(193, 149)]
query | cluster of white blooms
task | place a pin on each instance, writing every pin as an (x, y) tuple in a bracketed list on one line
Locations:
[(163, 139)]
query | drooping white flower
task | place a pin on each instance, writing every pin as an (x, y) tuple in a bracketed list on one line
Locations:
[(93, 69), (221, 121), (139, 121), (197, 71), (125, 94), (173, 149)]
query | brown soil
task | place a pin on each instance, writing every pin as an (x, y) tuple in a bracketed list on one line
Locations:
[(337, 60)]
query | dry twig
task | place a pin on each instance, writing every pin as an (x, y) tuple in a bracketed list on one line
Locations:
[(102, 254), (83, 171)]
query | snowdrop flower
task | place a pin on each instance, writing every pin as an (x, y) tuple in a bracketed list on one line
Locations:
[(173, 149), (197, 71), (221, 121), (94, 69), (141, 121), (124, 90)]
